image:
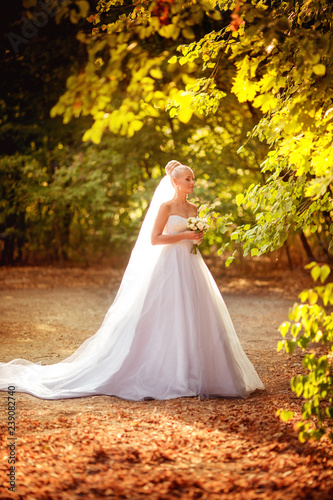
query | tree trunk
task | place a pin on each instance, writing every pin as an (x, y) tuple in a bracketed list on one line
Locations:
[(290, 262), (59, 244), (307, 248)]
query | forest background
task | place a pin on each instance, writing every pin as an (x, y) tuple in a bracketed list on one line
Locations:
[(247, 106)]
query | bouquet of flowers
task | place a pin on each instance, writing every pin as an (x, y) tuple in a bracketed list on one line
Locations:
[(197, 224)]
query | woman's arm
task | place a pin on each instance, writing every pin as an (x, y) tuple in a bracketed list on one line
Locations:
[(157, 236)]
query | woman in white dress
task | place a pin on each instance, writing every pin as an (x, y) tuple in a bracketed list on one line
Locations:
[(168, 332)]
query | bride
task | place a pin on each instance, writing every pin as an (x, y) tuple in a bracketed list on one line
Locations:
[(168, 333)]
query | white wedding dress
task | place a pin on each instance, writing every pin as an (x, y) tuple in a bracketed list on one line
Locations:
[(166, 336)]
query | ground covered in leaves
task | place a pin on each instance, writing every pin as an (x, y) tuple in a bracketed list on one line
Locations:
[(105, 447)]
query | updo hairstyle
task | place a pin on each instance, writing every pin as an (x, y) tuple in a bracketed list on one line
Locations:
[(174, 168), (171, 167)]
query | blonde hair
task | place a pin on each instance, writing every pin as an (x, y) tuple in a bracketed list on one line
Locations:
[(174, 168), (178, 170), (171, 166)]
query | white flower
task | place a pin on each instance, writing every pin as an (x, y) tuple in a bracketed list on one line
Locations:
[(197, 224)]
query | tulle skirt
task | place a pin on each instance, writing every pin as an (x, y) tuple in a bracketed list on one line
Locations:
[(169, 336)]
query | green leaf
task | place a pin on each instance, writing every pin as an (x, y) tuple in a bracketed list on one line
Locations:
[(290, 346), (286, 415), (229, 260)]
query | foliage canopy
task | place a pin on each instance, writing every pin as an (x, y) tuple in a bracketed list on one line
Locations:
[(147, 58)]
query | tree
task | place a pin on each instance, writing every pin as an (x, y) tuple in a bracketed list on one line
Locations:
[(30, 141), (311, 329)]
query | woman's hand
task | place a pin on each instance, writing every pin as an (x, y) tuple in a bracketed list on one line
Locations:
[(194, 236)]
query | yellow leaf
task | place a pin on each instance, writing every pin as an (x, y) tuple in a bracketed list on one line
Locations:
[(318, 336), (96, 135), (239, 199), (156, 73), (134, 126), (266, 102), (185, 114), (284, 328), (315, 273), (286, 415), (173, 60), (324, 272), (86, 136), (173, 112), (244, 89), (188, 33), (313, 297), (268, 81), (184, 99), (169, 31), (319, 69)]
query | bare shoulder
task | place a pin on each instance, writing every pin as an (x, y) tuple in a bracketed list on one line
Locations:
[(193, 209), (164, 210)]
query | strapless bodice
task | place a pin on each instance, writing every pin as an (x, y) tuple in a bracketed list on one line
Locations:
[(178, 224), (175, 224)]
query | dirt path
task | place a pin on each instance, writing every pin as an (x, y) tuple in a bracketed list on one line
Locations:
[(45, 313), (103, 447)]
